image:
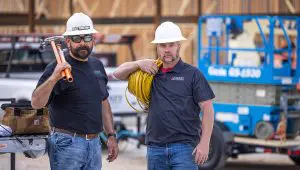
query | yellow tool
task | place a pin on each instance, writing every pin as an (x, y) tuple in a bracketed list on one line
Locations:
[(139, 84)]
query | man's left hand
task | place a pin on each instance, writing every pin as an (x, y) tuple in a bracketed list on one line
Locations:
[(201, 153), (112, 147)]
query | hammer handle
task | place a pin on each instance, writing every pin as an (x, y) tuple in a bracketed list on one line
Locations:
[(67, 71), (66, 74)]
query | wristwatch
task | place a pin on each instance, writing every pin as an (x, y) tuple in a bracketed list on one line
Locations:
[(111, 134)]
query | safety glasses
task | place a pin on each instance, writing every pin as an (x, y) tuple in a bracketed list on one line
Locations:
[(77, 38)]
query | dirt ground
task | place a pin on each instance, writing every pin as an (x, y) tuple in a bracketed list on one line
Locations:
[(132, 158)]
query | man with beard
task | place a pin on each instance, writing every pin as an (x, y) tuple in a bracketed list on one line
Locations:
[(78, 109), (179, 91)]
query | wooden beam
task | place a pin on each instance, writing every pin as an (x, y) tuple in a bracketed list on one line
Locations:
[(138, 12), (41, 10), (95, 7), (84, 7), (268, 6), (275, 6), (13, 15), (31, 20), (180, 19), (290, 6), (183, 7), (21, 6), (112, 13), (20, 19), (157, 17), (211, 7), (199, 8), (185, 44), (65, 7), (127, 28), (115, 8), (71, 7)]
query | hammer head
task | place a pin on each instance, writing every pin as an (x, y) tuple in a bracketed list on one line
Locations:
[(55, 39)]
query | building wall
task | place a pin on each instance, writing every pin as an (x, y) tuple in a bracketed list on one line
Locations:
[(136, 8)]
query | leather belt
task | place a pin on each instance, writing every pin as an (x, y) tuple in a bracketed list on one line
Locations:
[(87, 136)]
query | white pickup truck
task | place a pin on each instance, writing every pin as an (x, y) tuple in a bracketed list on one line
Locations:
[(22, 63), (21, 85)]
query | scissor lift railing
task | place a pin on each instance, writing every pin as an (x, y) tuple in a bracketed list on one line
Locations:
[(248, 95), (218, 32)]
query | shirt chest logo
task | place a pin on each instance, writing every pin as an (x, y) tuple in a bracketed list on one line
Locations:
[(177, 78), (97, 73)]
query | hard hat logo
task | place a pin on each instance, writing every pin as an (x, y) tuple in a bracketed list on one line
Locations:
[(81, 28), (78, 24), (167, 32)]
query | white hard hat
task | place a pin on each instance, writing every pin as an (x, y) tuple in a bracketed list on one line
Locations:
[(167, 32), (78, 24)]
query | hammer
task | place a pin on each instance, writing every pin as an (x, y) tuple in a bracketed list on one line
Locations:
[(56, 42)]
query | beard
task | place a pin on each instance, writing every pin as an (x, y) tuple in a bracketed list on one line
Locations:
[(81, 52), (173, 58)]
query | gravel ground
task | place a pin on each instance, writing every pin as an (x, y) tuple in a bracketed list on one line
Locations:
[(132, 158)]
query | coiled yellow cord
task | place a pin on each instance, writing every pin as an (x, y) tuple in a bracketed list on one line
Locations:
[(139, 84)]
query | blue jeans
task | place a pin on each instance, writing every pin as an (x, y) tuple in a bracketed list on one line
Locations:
[(174, 156), (68, 152)]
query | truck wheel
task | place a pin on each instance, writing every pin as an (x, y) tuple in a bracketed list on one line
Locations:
[(217, 156), (296, 159)]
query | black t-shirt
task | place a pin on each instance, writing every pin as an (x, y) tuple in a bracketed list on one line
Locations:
[(174, 110), (77, 106)]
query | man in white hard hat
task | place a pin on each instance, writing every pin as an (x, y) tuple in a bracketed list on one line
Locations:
[(179, 91), (78, 110)]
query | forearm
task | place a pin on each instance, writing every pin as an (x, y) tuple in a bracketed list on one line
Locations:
[(40, 96), (207, 121), (107, 117), (124, 70)]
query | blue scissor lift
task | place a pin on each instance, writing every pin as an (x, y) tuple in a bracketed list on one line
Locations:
[(254, 78)]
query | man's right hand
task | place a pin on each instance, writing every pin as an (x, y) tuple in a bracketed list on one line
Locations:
[(57, 73), (148, 65)]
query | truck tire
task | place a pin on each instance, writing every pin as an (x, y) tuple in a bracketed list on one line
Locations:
[(217, 151), (296, 159)]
